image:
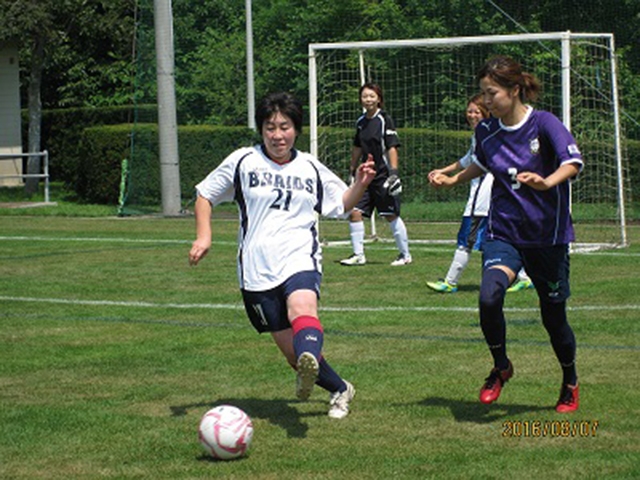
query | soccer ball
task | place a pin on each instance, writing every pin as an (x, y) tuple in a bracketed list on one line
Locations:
[(225, 432)]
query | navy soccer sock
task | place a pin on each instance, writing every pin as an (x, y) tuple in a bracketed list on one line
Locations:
[(308, 336), (329, 379), (563, 341), (492, 290)]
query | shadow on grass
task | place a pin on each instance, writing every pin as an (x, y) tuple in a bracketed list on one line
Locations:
[(476, 412), (278, 412)]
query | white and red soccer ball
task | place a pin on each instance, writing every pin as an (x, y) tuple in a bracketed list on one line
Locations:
[(225, 432)]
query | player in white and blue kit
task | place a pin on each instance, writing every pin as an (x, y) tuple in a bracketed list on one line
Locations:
[(532, 157), (474, 217), (280, 192)]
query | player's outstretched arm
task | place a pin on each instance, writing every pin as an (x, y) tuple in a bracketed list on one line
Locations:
[(363, 176), (452, 167), (535, 181), (202, 243), (440, 180)]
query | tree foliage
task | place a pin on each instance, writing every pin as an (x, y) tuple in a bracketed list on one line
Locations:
[(101, 52)]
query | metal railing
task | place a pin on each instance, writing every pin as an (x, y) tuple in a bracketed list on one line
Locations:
[(45, 169)]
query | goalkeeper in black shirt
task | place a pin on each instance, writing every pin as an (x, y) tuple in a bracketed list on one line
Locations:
[(376, 136)]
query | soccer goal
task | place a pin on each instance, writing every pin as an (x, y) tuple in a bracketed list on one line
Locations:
[(427, 83)]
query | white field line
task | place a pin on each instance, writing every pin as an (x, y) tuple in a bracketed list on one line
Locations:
[(90, 239), (231, 306), (417, 244)]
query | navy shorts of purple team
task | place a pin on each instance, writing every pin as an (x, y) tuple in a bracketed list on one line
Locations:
[(548, 267), (267, 310)]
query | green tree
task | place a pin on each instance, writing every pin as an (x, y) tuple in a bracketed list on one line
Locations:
[(81, 47), (32, 25)]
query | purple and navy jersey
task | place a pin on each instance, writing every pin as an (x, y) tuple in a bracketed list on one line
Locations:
[(519, 214), (375, 136)]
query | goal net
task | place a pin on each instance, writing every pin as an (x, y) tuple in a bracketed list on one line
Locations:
[(427, 84)]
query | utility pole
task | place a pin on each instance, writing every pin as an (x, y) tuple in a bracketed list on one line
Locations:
[(167, 118), (251, 107)]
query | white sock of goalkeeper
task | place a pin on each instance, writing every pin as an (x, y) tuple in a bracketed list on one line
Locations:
[(399, 231), (357, 237), (458, 264)]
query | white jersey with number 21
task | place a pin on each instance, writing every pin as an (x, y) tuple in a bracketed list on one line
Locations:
[(277, 207)]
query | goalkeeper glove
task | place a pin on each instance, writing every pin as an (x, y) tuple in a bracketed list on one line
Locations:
[(393, 183)]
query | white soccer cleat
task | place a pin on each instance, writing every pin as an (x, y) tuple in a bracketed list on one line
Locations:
[(401, 260), (339, 402), (354, 260), (307, 368)]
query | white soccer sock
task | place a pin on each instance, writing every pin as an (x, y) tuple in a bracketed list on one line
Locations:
[(458, 264), (399, 231), (357, 237)]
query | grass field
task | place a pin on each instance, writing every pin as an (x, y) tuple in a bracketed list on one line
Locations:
[(112, 347)]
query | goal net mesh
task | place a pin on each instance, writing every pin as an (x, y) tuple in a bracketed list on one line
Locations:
[(426, 88)]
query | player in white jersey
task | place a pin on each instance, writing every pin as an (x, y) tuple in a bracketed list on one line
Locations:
[(279, 192), (532, 157), (474, 217)]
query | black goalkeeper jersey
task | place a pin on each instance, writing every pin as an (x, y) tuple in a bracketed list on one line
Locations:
[(375, 136)]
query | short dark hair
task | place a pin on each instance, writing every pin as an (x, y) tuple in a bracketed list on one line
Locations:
[(376, 88), (282, 102)]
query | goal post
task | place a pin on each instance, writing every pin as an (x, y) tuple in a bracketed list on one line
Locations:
[(427, 83)]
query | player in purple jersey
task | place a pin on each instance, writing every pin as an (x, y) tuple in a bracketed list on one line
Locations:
[(474, 217), (279, 192), (532, 157), (376, 135)]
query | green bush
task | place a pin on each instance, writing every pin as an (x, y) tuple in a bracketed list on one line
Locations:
[(201, 148), (62, 131), (633, 153), (100, 154), (102, 149)]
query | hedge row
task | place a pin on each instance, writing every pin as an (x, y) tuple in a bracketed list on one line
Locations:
[(103, 149), (88, 158), (62, 130), (202, 148)]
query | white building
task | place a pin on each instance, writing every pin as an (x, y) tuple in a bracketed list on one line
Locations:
[(10, 131)]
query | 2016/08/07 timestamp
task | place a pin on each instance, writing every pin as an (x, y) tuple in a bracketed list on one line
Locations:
[(550, 428)]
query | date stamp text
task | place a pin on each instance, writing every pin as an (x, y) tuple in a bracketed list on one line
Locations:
[(549, 428)]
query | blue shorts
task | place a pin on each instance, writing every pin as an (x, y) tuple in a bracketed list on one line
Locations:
[(471, 233), (548, 267), (376, 196), (268, 310)]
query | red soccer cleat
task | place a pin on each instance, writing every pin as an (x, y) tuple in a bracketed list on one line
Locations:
[(492, 387), (569, 399)]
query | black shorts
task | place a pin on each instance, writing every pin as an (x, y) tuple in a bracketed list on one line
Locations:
[(268, 310), (376, 196), (548, 267)]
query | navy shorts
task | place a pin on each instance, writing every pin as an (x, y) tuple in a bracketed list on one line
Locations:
[(471, 233), (268, 310), (548, 267), (376, 196)]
